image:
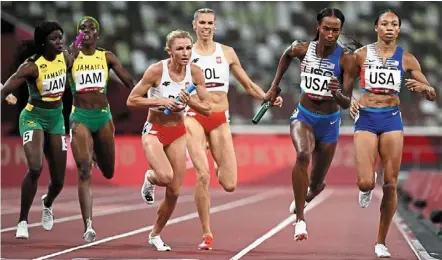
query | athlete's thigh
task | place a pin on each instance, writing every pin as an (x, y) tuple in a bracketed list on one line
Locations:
[(303, 137), (322, 158), (31, 132), (196, 144), (176, 153), (81, 143), (366, 151), (222, 149), (155, 155), (391, 147), (55, 149), (104, 147), (33, 141)]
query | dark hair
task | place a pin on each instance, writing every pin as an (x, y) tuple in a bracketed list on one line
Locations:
[(36, 46), (384, 12), (327, 12)]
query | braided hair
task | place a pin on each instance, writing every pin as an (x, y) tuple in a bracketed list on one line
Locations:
[(327, 12)]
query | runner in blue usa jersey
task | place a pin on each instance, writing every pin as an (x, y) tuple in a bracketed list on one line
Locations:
[(328, 72), (378, 121)]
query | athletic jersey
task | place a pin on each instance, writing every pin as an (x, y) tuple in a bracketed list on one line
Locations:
[(380, 78), (167, 87), (215, 67), (316, 72), (50, 84), (90, 73)]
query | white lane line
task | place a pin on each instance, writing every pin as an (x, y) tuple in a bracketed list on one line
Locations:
[(72, 203), (227, 206), (318, 200), (116, 210), (412, 241), (111, 211), (14, 208)]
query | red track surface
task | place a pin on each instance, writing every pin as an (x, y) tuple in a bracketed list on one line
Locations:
[(338, 228)]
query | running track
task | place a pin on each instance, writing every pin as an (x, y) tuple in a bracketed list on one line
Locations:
[(251, 223)]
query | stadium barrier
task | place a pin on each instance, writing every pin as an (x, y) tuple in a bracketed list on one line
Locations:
[(264, 156)]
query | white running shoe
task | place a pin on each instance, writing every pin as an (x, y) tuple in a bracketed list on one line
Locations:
[(47, 217), (366, 196), (148, 189), (292, 208), (89, 235), (381, 251), (158, 243), (300, 231), (22, 230)]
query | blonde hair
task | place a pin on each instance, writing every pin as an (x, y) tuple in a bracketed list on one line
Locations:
[(203, 11), (177, 34)]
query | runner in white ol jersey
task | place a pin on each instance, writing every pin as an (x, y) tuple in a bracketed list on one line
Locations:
[(216, 61), (163, 136)]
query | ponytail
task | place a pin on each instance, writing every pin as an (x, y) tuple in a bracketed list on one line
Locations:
[(29, 48), (26, 49), (353, 45), (317, 36)]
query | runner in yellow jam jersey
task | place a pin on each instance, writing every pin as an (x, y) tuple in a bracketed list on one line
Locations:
[(91, 125), (44, 69)]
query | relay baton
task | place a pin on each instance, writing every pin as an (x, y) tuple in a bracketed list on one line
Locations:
[(263, 108), (79, 39), (189, 89)]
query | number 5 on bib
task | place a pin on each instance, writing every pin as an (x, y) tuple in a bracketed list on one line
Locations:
[(27, 136)]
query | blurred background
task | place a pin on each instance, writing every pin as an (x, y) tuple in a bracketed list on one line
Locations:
[(259, 32)]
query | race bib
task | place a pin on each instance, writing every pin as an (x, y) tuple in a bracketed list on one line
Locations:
[(146, 128), (314, 84), (64, 145), (295, 113), (27, 136)]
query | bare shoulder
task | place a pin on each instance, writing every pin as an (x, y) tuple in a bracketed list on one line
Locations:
[(299, 47), (228, 51), (361, 53), (408, 57), (153, 72), (27, 69), (226, 48), (195, 68), (28, 65), (230, 54), (348, 54), (156, 68), (410, 62), (109, 54)]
